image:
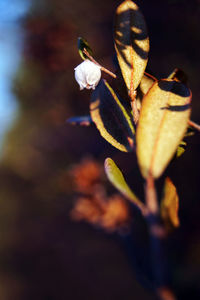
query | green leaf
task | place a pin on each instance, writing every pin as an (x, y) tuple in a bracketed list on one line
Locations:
[(111, 118), (81, 45), (182, 146), (162, 124), (116, 177), (131, 43), (181, 149), (169, 205)]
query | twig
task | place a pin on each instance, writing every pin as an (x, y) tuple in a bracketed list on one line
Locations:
[(194, 125), (151, 76), (133, 95), (95, 62), (151, 197)]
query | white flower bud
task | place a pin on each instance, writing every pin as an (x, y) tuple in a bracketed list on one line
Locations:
[(87, 74)]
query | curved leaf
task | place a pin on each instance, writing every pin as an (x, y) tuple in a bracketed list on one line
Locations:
[(131, 43), (181, 148), (170, 204), (183, 145), (111, 118), (80, 120), (163, 122), (178, 75), (145, 84), (81, 45), (116, 177)]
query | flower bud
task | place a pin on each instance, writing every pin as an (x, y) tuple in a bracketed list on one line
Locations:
[(87, 74)]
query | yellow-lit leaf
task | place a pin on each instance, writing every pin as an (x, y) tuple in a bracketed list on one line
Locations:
[(117, 179), (163, 122), (145, 84), (111, 118), (131, 43), (170, 204)]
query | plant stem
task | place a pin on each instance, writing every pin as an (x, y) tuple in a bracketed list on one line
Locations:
[(151, 76), (151, 196), (135, 111), (194, 125), (95, 62), (157, 235)]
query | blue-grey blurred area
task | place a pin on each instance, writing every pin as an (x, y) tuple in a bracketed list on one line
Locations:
[(11, 46), (44, 254)]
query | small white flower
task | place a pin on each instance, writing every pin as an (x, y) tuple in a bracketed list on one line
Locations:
[(87, 74)]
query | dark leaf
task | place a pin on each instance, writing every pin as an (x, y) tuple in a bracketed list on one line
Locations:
[(81, 45), (178, 75), (80, 120), (111, 118)]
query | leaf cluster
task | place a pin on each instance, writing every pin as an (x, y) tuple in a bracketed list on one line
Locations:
[(154, 120)]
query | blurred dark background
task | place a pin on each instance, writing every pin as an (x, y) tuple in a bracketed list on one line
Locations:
[(43, 253)]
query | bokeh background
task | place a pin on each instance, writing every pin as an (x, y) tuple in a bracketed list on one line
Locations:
[(44, 254)]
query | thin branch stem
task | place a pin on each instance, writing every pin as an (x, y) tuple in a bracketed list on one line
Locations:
[(90, 57), (133, 94), (151, 196), (134, 107), (108, 72), (151, 76), (194, 125), (95, 62), (143, 208)]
